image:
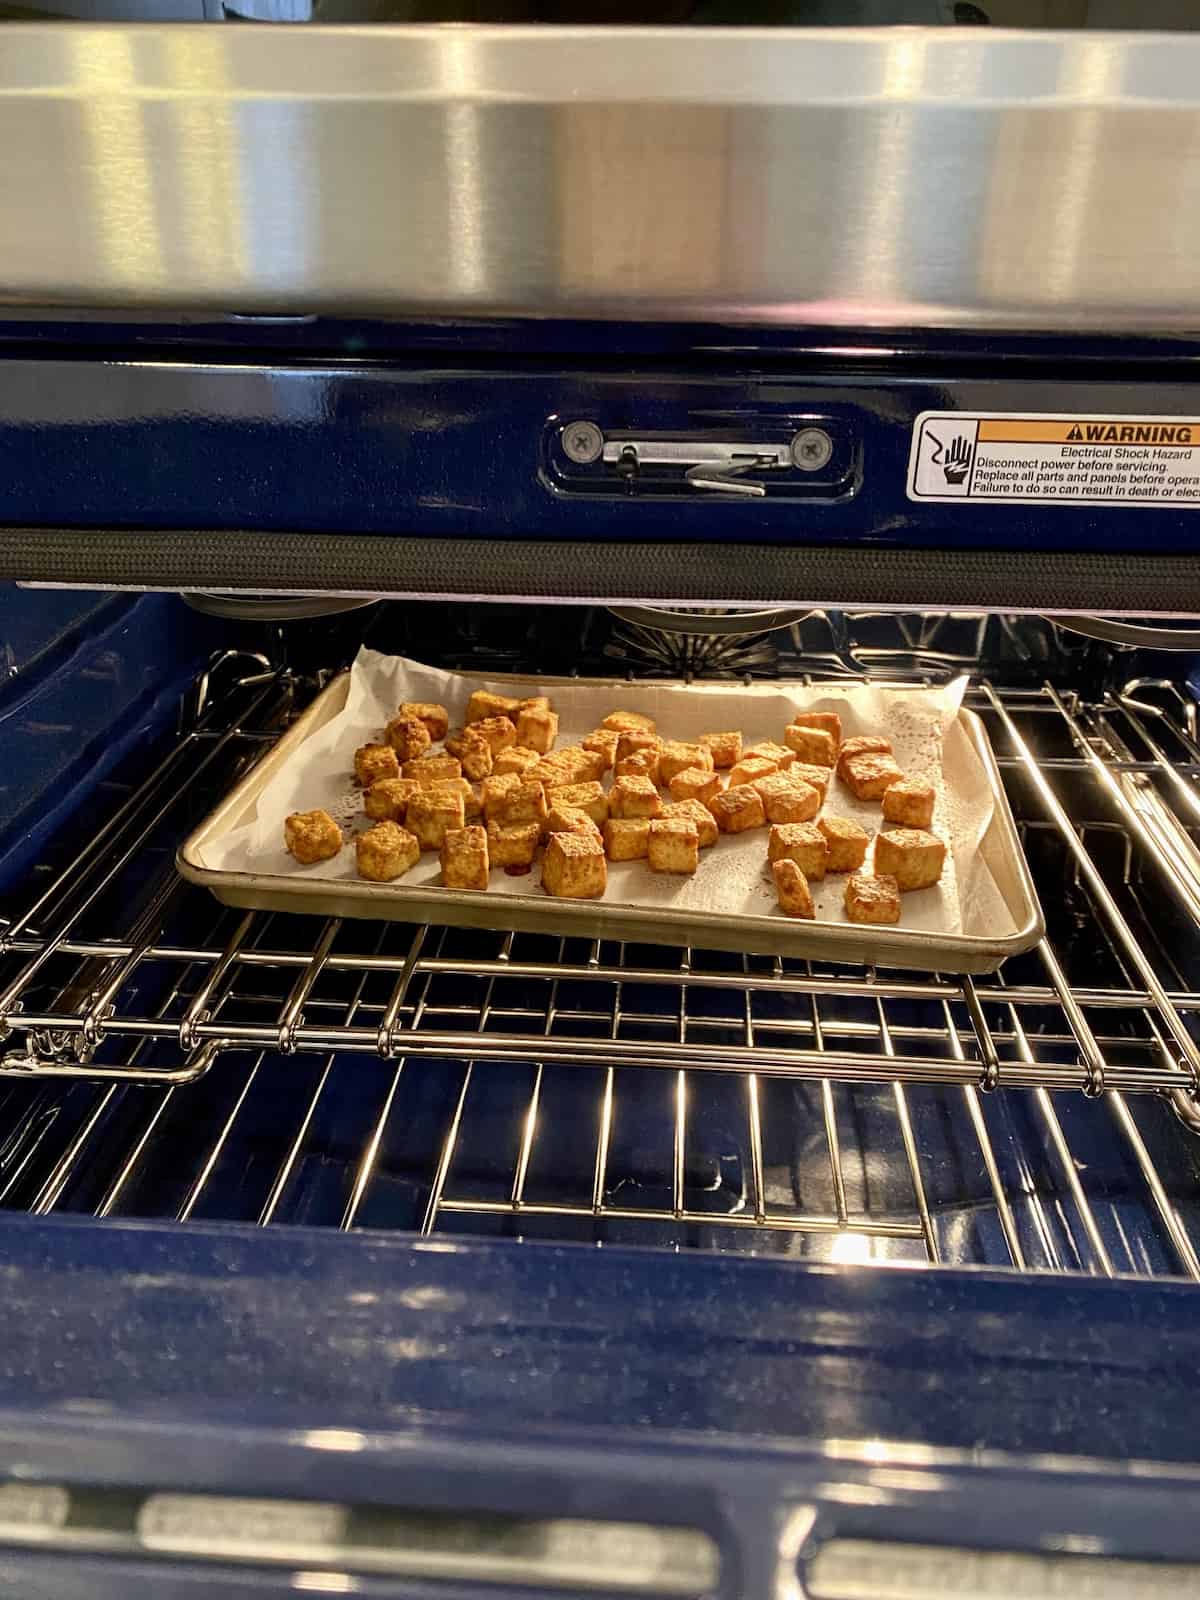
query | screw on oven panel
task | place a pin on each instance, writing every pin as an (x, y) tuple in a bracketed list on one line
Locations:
[(811, 449), (582, 443)]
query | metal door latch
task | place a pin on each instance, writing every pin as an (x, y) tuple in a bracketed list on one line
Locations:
[(720, 466)]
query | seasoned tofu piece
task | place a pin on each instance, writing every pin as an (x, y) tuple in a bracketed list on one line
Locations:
[(801, 842), (869, 777), (871, 899), (863, 744), (570, 764), (465, 858), (603, 743), (737, 809), (574, 867), (436, 718), (387, 800), (818, 777), (513, 847), (912, 856), (537, 727), (499, 732), (375, 761), (517, 758), (311, 836), (484, 704), (496, 789), (628, 721), (589, 797), (678, 755), (408, 737), (767, 750), (634, 741), (828, 721), (433, 769), (432, 813), (909, 802), (569, 819), (750, 768), (473, 751), (534, 702), (791, 887), (847, 843), (674, 845), (385, 852), (726, 748), (627, 838), (694, 783), (812, 745), (643, 764), (524, 803), (706, 823), (787, 799), (472, 805), (633, 797)]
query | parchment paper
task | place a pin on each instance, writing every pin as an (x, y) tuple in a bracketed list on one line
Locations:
[(733, 877)]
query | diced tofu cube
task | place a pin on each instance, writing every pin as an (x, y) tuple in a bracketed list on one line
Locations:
[(787, 799), (602, 742), (634, 741), (871, 899), (495, 789), (750, 768), (517, 758), (385, 851), (869, 777), (644, 764), (828, 721), (706, 823), (674, 845), (513, 847), (589, 797), (812, 745), (694, 783), (537, 727), (677, 756), (311, 836), (627, 838), (791, 887), (737, 809), (472, 807), (574, 867), (375, 761), (624, 721), (909, 802), (801, 842), (726, 747), (818, 777), (863, 744), (524, 803), (465, 858), (431, 812), (433, 769), (484, 704), (568, 819), (912, 856), (534, 702), (408, 737), (472, 749), (387, 800), (847, 843), (499, 732), (436, 718), (634, 797), (768, 750)]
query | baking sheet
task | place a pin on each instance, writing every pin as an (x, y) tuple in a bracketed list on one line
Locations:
[(984, 897)]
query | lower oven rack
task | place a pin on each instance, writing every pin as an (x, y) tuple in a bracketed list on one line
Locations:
[(251, 1030)]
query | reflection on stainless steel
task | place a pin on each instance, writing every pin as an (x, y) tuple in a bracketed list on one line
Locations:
[(955, 177)]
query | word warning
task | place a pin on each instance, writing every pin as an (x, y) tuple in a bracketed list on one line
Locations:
[(1103, 460)]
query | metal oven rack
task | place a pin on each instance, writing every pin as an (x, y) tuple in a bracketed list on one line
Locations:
[(166, 1057)]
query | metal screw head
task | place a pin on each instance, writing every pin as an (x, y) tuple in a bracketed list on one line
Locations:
[(811, 449), (582, 443)]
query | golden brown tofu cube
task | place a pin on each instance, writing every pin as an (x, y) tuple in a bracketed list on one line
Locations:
[(642, 765), (628, 721), (432, 813), (524, 803), (517, 758), (473, 751), (498, 731), (537, 728), (311, 836), (571, 764), (534, 702), (375, 761), (588, 764), (706, 823), (632, 796), (436, 718), (495, 790), (589, 797), (694, 783), (483, 704), (801, 842), (787, 799), (870, 777), (574, 867), (408, 737), (791, 888), (749, 768), (912, 856), (433, 769), (515, 846), (811, 745), (385, 851), (737, 809), (818, 777), (871, 899), (387, 800), (569, 819), (602, 742), (634, 742), (677, 756), (828, 721), (673, 845), (726, 748), (627, 838), (863, 744), (847, 843), (472, 806), (465, 858), (909, 802), (767, 750)]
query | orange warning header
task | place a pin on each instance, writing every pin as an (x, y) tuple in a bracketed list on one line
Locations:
[(1082, 430)]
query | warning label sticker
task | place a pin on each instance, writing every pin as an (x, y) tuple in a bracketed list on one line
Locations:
[(1074, 460)]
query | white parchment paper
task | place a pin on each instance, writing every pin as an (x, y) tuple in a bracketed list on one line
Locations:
[(928, 741)]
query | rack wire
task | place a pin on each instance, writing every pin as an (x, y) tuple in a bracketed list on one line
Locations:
[(356, 1075)]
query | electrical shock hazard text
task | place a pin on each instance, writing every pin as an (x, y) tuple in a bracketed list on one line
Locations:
[(1130, 460)]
